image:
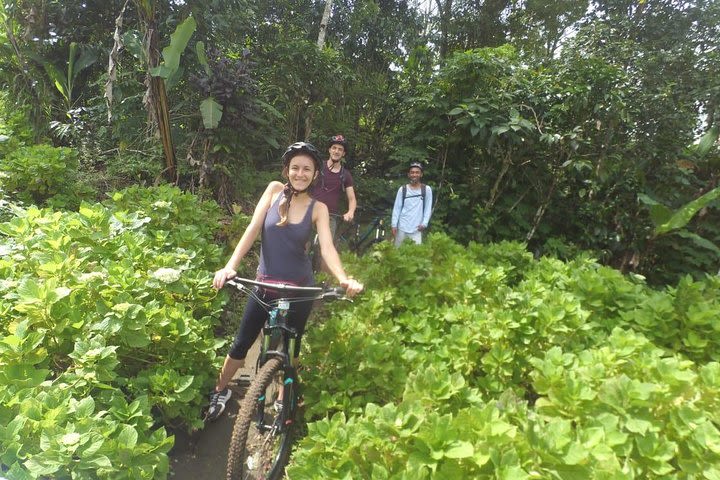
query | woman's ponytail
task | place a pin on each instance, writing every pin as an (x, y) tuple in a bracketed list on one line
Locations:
[(284, 205)]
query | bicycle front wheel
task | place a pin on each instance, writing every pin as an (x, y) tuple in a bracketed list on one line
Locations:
[(261, 437)]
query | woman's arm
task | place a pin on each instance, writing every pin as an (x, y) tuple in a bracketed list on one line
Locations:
[(321, 217), (249, 236)]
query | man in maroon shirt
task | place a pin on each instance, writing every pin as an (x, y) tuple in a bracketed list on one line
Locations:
[(333, 181)]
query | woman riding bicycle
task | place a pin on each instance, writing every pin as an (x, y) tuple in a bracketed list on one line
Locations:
[(284, 215)]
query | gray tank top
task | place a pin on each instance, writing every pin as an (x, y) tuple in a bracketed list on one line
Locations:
[(282, 250)]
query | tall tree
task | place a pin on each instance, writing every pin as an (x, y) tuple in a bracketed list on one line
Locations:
[(320, 45), (156, 99), (538, 28), (324, 24)]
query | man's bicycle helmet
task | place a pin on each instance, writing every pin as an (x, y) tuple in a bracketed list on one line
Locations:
[(416, 165), (302, 147), (339, 140)]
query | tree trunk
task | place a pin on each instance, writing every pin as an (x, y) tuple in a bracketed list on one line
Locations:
[(308, 124), (309, 114), (113, 61), (323, 24), (445, 12), (540, 212), (162, 112), (494, 192), (155, 99)]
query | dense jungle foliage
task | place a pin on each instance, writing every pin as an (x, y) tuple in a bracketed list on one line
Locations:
[(561, 322), (481, 362), (569, 125)]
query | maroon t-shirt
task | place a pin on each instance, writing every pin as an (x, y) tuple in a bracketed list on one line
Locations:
[(328, 189)]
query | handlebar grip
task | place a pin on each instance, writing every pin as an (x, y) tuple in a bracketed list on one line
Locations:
[(334, 293)]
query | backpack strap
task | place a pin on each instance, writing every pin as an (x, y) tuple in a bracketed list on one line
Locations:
[(423, 191), (402, 203), (342, 177)]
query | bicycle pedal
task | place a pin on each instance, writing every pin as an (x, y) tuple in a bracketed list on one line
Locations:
[(243, 379)]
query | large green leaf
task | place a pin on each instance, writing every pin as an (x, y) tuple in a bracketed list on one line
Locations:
[(659, 213), (681, 217), (171, 54), (707, 141), (211, 113), (55, 75), (700, 241), (87, 57), (202, 57)]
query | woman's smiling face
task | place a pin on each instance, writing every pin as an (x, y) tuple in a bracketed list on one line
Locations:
[(301, 171)]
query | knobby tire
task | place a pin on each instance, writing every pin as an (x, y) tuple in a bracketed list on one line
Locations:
[(255, 455)]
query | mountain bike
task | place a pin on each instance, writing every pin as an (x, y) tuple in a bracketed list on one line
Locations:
[(262, 434), (353, 237), (358, 239)]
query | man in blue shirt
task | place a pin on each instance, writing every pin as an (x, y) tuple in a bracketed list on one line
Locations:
[(413, 207)]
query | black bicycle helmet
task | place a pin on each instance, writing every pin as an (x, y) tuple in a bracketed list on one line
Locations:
[(339, 140), (416, 165), (302, 147)]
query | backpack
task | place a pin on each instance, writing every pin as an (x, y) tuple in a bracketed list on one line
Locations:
[(423, 190), (342, 178)]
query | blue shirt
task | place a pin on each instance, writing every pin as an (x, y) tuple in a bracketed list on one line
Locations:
[(412, 215)]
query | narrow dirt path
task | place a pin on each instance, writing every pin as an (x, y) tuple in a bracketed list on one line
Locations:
[(203, 455)]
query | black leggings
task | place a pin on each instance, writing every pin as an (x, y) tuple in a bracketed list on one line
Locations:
[(255, 317)]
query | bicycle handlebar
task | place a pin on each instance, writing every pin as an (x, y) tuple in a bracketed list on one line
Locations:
[(318, 293), (367, 211)]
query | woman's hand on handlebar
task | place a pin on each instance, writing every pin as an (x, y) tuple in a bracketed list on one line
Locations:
[(222, 276), (352, 287)]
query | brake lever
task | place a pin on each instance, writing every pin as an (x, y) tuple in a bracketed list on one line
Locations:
[(237, 285), (336, 293)]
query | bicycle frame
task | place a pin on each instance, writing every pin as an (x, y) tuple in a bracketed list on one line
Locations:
[(262, 434), (276, 327), (358, 240), (378, 227)]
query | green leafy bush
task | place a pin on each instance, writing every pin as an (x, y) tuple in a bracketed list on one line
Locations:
[(108, 327), (165, 206), (638, 410), (128, 168), (683, 319), (481, 362), (15, 128), (42, 174)]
